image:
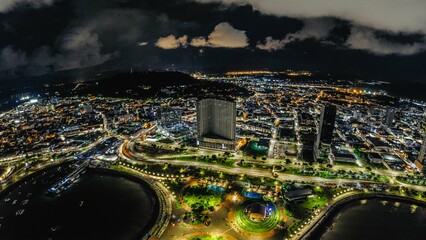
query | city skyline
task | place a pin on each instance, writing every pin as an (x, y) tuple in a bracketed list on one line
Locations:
[(270, 162), (212, 119)]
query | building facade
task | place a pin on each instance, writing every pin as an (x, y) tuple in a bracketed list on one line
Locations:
[(421, 160), (390, 116), (216, 123), (325, 129), (422, 152)]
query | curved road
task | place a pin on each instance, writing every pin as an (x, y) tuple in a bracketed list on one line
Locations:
[(133, 157)]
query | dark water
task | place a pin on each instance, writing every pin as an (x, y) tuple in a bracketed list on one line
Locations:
[(376, 219), (112, 207), (410, 90)]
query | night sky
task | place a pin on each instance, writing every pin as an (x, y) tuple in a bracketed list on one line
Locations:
[(375, 39)]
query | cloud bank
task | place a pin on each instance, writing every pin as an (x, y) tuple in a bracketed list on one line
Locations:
[(80, 45), (172, 42), (390, 15), (223, 36), (8, 5), (10, 58), (312, 28), (365, 39)]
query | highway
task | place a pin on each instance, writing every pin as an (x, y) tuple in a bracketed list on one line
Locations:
[(12, 160), (133, 157)]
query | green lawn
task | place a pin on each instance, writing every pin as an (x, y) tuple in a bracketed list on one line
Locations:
[(294, 226), (200, 198), (243, 221), (314, 202)]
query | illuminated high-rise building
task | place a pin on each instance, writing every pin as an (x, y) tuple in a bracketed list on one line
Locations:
[(325, 128), (216, 121), (421, 156), (390, 116), (328, 118), (421, 161)]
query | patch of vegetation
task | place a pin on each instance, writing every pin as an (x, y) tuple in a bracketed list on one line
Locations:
[(243, 221), (314, 202), (195, 218), (293, 227), (201, 199), (254, 149)]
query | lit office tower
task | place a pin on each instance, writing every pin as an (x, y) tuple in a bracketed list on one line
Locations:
[(390, 115), (421, 157), (325, 128), (421, 161), (216, 121), (327, 120)]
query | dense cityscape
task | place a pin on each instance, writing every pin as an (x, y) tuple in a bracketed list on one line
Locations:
[(266, 163), (212, 120)]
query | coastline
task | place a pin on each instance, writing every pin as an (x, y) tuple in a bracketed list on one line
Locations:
[(154, 197), (147, 186), (314, 229)]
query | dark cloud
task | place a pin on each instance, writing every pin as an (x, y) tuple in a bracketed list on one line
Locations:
[(317, 29), (11, 58), (39, 37), (358, 37), (89, 40), (8, 5), (390, 15), (80, 46), (366, 39)]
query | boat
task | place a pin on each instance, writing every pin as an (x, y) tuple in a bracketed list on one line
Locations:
[(54, 228), (20, 212)]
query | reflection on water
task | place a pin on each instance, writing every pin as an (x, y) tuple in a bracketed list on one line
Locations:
[(97, 206), (376, 219), (414, 208)]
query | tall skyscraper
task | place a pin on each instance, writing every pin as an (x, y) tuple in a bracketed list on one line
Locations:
[(328, 118), (390, 116), (216, 121), (421, 161), (325, 128), (421, 157)]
